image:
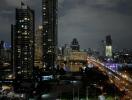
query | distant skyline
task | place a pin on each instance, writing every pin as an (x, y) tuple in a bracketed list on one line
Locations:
[(87, 20)]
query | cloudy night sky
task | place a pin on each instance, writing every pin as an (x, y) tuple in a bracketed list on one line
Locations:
[(87, 20)]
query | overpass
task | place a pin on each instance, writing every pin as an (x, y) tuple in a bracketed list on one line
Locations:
[(122, 81)]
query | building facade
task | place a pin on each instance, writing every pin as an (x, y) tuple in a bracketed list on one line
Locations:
[(38, 48), (1, 49), (108, 47), (23, 43), (72, 59), (49, 22), (75, 45)]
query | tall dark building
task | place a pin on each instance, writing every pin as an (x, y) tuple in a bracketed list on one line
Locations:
[(23, 43), (1, 49), (38, 58), (1, 52), (49, 22), (13, 48), (108, 40), (23, 48), (75, 45)]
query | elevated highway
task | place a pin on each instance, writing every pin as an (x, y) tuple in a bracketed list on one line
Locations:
[(122, 81)]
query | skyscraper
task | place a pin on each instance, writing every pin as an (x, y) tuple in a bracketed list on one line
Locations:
[(1, 49), (108, 48), (38, 63), (75, 45), (108, 40), (49, 22), (13, 48), (1, 52), (23, 43)]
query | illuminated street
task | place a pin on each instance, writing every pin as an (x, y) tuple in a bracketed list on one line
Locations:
[(122, 81), (65, 50)]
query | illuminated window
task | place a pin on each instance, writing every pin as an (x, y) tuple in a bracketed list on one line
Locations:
[(25, 33), (18, 50), (25, 18), (44, 44), (19, 72), (44, 8), (49, 40), (21, 21), (19, 37), (22, 26), (44, 14), (25, 58), (18, 31), (25, 53), (25, 71), (18, 67), (26, 37), (46, 22), (49, 51), (31, 41), (25, 27)]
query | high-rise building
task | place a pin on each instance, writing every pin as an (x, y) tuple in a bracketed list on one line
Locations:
[(13, 48), (1, 49), (38, 48), (102, 48), (23, 48), (1, 52), (23, 43), (108, 48), (75, 45), (49, 22), (108, 40)]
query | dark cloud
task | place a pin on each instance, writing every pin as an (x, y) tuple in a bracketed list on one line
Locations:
[(91, 20), (87, 20), (7, 15)]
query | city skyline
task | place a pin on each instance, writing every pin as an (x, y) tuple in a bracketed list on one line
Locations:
[(89, 21), (88, 59)]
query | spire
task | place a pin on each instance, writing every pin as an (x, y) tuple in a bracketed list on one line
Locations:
[(22, 4)]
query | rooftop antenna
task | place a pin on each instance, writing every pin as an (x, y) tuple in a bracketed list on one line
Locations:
[(22, 4)]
